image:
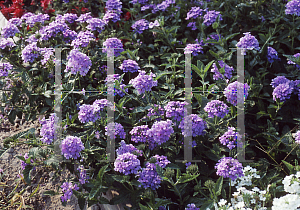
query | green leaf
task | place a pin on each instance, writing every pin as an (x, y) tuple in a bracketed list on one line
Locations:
[(218, 186), (101, 173), (208, 204), (12, 116), (197, 70), (173, 166), (208, 66), (187, 177), (50, 192), (214, 54), (289, 166), (159, 170), (142, 207), (26, 174), (162, 74)]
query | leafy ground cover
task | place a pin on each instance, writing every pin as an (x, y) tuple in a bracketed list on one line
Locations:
[(152, 41)]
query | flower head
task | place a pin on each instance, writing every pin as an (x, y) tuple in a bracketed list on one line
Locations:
[(140, 25), (229, 168), (161, 131), (113, 43), (272, 55), (293, 8), (129, 66), (234, 93), (143, 82), (71, 147), (248, 42), (216, 108), (78, 62)]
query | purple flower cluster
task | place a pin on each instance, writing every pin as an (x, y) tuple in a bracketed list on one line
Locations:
[(279, 80), (114, 5), (23, 164), (113, 16), (283, 88), (148, 176), (9, 30), (30, 53), (231, 92), (216, 108), (143, 82), (113, 43), (67, 188), (48, 129), (54, 29), (211, 16), (83, 39), (230, 138), (140, 25), (194, 48), (160, 112), (139, 134), (272, 55), (78, 62), (82, 175), (293, 8), (4, 43), (192, 25), (192, 206), (129, 66), (71, 146), (296, 88), (214, 37), (39, 18), (118, 130), (127, 163), (4, 68), (70, 18), (161, 131), (175, 110), (90, 113), (95, 24), (229, 168), (46, 53), (194, 13), (217, 75), (196, 126), (84, 17), (124, 148), (291, 62), (248, 42), (112, 90), (15, 21), (297, 137)]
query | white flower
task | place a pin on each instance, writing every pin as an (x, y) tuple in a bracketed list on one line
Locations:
[(152, 24), (289, 201), (240, 204), (222, 202)]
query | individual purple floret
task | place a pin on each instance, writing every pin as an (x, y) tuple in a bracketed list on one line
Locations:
[(67, 188), (211, 16), (297, 137), (272, 55), (4, 68), (84, 17), (161, 131), (71, 147), (82, 175), (140, 25), (194, 13), (248, 42), (113, 43), (216, 108), (291, 62), (293, 8), (129, 66), (196, 126), (23, 164), (230, 138), (113, 16), (175, 110), (48, 129), (283, 91), (143, 82), (127, 163), (192, 206), (194, 48), (78, 62), (9, 31), (118, 130), (232, 90), (228, 71), (228, 167), (4, 43), (124, 148), (95, 24), (30, 53)]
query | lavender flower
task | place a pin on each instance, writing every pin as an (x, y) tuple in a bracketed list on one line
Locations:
[(291, 62), (95, 24), (293, 8), (83, 39), (67, 188), (129, 66), (228, 71), (4, 43), (30, 53), (9, 30), (216, 108), (4, 68), (82, 175), (160, 112), (296, 88), (15, 21), (143, 82), (52, 30), (192, 206), (194, 48), (192, 25), (47, 53), (87, 113), (229, 168), (232, 95), (118, 130), (249, 42), (70, 18), (84, 17), (124, 148), (139, 134), (211, 16), (23, 164), (194, 13), (78, 62), (71, 146), (48, 129), (161, 131), (297, 137), (196, 126), (127, 163), (272, 55), (112, 90), (39, 18), (283, 91), (175, 110), (140, 25), (113, 16), (279, 80), (114, 5), (113, 43), (213, 36), (230, 138)]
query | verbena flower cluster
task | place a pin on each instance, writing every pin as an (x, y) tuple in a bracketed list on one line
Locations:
[(143, 82), (216, 108), (127, 163), (211, 16), (48, 129), (293, 8), (229, 168), (291, 62), (192, 206), (283, 88), (83, 39), (67, 188), (113, 43), (248, 42), (175, 110), (129, 66), (30, 53), (124, 148), (160, 112), (297, 137), (82, 174), (230, 138), (4, 68), (78, 62), (6, 43), (139, 134), (196, 126), (9, 31), (292, 183), (217, 75), (272, 55), (95, 24), (118, 130), (194, 13), (71, 147), (234, 93), (161, 131), (140, 25), (113, 90), (194, 48)]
